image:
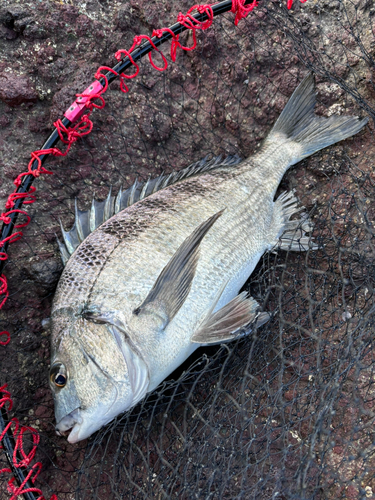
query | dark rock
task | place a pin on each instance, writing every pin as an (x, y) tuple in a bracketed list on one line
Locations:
[(60, 63), (18, 19), (39, 123), (7, 33), (148, 12), (21, 24), (154, 126), (16, 90), (46, 273), (126, 18), (33, 31), (13, 14), (64, 97), (12, 170), (69, 13), (4, 120), (83, 25)]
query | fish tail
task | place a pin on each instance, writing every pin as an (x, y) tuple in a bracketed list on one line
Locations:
[(308, 132)]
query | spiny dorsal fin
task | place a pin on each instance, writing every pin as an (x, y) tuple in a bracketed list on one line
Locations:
[(87, 221)]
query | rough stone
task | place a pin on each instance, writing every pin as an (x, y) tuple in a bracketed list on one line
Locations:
[(4, 120), (16, 90), (7, 33), (14, 13)]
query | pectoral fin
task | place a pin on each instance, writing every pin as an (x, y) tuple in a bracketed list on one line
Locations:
[(224, 324), (174, 282)]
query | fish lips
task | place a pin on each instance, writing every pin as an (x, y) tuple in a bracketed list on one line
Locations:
[(71, 422), (82, 423), (80, 428)]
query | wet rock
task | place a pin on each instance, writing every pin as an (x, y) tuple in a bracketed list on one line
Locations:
[(22, 20), (154, 126), (148, 12), (83, 25), (123, 17), (34, 32), (46, 274), (21, 24), (16, 90), (82, 77), (11, 170)]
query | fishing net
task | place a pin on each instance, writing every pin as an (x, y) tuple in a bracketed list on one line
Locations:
[(287, 412)]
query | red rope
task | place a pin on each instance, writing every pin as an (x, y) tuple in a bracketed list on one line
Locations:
[(3, 255), (137, 40), (6, 219), (26, 458), (32, 475), (241, 11), (6, 398), (68, 136), (5, 342), (3, 290), (190, 23)]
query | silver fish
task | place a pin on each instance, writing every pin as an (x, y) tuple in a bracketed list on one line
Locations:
[(162, 276)]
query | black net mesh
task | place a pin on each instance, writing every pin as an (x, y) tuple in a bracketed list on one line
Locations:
[(288, 412)]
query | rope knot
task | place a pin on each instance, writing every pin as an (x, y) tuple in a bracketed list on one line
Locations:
[(6, 398), (6, 219), (238, 7), (4, 342), (158, 33)]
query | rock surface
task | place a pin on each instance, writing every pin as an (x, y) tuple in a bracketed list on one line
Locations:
[(16, 90)]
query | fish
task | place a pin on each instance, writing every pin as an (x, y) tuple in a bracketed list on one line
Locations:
[(156, 272)]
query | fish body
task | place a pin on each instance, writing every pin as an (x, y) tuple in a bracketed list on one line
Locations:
[(162, 277)]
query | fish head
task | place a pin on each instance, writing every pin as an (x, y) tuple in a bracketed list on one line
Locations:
[(94, 376)]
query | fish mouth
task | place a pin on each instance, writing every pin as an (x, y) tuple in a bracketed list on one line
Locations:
[(77, 426), (67, 424)]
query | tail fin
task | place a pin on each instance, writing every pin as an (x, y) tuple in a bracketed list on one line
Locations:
[(299, 123)]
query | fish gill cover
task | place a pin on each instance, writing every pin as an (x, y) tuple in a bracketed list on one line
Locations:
[(286, 413)]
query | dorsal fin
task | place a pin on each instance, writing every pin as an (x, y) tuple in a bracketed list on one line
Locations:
[(87, 221)]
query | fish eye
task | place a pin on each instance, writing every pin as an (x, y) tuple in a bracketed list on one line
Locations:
[(58, 375), (60, 380)]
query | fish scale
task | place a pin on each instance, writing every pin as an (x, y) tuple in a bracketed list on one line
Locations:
[(160, 278), (225, 251), (80, 275)]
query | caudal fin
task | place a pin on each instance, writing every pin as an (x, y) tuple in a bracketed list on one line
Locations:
[(300, 124)]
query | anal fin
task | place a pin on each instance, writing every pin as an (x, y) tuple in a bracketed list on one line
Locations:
[(224, 325), (293, 232)]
